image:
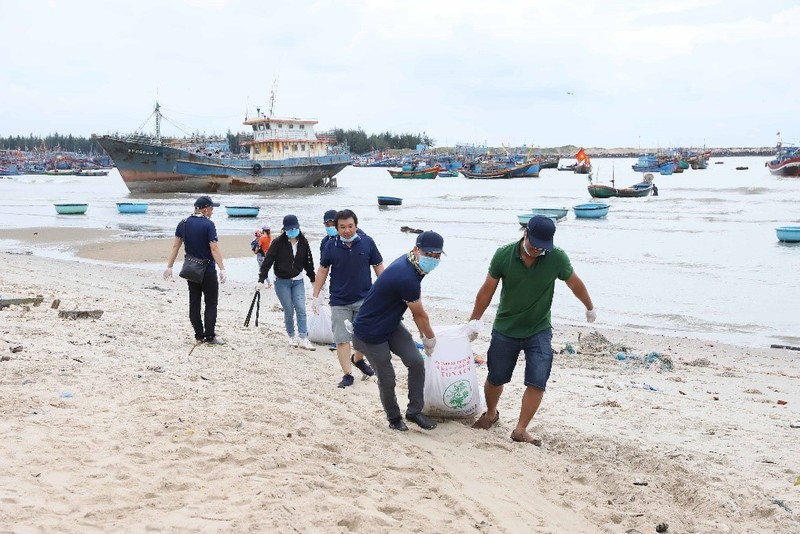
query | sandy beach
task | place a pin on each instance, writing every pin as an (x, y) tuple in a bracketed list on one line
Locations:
[(110, 424)]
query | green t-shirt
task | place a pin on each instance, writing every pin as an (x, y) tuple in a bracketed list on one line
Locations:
[(527, 292)]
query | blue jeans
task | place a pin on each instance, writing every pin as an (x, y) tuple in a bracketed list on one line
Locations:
[(501, 358), (292, 296)]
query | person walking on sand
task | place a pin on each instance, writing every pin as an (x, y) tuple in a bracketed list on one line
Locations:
[(528, 268), (290, 255), (348, 257), (378, 330), (199, 237)]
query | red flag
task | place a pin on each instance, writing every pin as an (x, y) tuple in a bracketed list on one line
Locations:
[(581, 155)]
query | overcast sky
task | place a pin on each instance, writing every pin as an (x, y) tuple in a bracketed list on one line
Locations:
[(503, 72)]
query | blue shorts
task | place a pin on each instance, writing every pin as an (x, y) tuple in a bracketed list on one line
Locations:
[(504, 352)]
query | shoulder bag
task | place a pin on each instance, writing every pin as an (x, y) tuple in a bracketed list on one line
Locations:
[(194, 269)]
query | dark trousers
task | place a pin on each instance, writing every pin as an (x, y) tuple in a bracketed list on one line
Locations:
[(379, 355), (208, 290)]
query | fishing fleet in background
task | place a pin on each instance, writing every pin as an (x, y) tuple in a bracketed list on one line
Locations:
[(283, 152)]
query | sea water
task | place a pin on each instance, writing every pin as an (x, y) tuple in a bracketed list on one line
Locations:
[(701, 259)]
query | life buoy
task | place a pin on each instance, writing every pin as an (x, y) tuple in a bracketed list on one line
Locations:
[(257, 168)]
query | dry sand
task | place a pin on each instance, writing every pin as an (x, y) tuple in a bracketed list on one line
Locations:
[(110, 424)]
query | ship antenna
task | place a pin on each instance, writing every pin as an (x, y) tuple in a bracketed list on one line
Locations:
[(158, 122), (272, 97)]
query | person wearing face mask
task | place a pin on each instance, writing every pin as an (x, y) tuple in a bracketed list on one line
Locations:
[(329, 220), (289, 255), (528, 268), (378, 330), (198, 235), (348, 257)]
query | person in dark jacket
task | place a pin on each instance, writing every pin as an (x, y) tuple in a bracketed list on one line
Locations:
[(288, 256)]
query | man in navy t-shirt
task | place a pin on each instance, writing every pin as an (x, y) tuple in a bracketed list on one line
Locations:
[(198, 235), (378, 331), (348, 256)]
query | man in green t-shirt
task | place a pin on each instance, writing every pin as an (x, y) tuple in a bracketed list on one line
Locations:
[(529, 269)]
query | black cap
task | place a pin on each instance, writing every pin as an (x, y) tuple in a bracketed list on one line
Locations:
[(330, 215), (430, 242), (290, 222), (540, 232), (205, 202)]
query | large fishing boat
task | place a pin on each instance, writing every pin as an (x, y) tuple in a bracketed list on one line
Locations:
[(283, 153), (786, 162)]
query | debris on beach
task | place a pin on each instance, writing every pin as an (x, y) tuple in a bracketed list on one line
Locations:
[(410, 230), (80, 314)]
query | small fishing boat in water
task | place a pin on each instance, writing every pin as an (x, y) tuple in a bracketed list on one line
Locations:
[(428, 173), (132, 207), (389, 201), (591, 210), (786, 162), (788, 234), (71, 209), (242, 211)]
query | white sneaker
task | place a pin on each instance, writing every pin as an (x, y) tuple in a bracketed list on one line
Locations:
[(306, 344), (292, 341)]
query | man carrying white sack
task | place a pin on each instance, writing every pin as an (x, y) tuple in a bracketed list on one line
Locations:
[(528, 268), (378, 330)]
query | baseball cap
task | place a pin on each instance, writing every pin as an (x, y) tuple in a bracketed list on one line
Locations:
[(430, 241), (290, 222), (265, 228), (540, 232), (330, 215), (205, 202)]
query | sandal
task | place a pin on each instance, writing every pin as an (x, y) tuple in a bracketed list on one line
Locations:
[(524, 437), (484, 422)]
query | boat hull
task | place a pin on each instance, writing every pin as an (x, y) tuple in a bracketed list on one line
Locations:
[(423, 174), (789, 167), (242, 211), (148, 168)]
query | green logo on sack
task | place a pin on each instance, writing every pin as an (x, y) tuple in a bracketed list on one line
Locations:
[(458, 394)]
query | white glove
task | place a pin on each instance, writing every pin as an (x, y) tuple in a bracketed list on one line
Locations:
[(428, 344), (475, 325), (348, 326), (591, 315), (269, 283), (315, 305), (259, 286), (167, 274), (222, 276)]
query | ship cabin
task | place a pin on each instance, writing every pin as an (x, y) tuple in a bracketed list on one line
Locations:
[(276, 139)]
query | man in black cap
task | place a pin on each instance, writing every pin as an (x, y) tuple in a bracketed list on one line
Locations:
[(528, 268), (199, 236), (378, 331)]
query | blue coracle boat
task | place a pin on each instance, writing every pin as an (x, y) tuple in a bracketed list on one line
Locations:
[(71, 209), (242, 211), (789, 234), (390, 201), (132, 207), (591, 210)]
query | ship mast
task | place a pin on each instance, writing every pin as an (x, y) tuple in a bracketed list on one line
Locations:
[(158, 122), (272, 97)]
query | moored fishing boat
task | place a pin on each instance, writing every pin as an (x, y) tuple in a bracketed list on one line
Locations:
[(284, 153), (242, 211), (592, 210), (71, 209), (132, 207), (786, 162), (428, 173)]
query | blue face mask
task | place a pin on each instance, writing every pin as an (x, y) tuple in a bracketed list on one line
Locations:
[(293, 233), (331, 231), (427, 264), (354, 237)]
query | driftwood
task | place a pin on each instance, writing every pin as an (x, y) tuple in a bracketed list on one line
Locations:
[(80, 314), (8, 301), (410, 230)]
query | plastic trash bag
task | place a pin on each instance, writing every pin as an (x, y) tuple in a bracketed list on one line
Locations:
[(319, 326), (451, 383)]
